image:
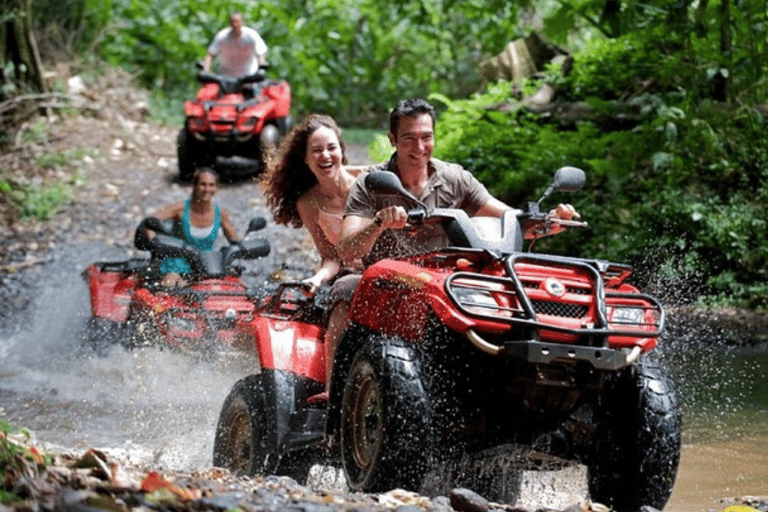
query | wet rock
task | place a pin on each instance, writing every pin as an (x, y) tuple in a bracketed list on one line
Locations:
[(466, 500)]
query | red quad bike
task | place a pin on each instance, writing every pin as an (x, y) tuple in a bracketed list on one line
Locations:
[(130, 306), (455, 359), (233, 117)]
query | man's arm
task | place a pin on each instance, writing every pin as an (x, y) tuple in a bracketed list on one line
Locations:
[(359, 234), (207, 62), (261, 58), (492, 208)]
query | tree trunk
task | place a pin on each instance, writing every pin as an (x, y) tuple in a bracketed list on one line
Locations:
[(20, 47), (721, 80)]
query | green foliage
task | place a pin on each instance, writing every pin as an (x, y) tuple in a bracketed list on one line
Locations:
[(353, 58), (36, 201), (680, 195), (380, 148), (16, 458)]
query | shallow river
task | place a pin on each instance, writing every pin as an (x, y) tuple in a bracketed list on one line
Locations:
[(160, 408)]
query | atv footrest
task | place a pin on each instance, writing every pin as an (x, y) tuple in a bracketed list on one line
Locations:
[(307, 427)]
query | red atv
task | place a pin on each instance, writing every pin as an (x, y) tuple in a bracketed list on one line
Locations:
[(457, 358), (129, 305), (233, 117)]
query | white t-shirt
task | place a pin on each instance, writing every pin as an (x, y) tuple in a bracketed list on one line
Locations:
[(237, 57)]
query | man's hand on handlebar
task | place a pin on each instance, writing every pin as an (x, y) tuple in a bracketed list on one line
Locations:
[(391, 217), (564, 216), (564, 212), (312, 284)]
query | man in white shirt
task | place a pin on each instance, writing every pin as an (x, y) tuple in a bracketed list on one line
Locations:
[(240, 49)]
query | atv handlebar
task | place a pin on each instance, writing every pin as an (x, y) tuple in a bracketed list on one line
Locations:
[(232, 84), (289, 297), (544, 224), (209, 263)]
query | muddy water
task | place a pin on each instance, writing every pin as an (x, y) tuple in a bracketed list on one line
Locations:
[(158, 408), (725, 404)]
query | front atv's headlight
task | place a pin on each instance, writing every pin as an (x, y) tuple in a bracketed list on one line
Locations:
[(475, 300), (474, 297), (624, 316), (197, 124), (485, 297)]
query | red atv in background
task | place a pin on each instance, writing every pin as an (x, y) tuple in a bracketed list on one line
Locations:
[(233, 117), (129, 305), (455, 359)]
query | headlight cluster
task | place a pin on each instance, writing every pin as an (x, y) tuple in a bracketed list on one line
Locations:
[(478, 301), (248, 123), (626, 316), (197, 125), (481, 297)]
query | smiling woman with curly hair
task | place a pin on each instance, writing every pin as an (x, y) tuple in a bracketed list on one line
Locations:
[(307, 183)]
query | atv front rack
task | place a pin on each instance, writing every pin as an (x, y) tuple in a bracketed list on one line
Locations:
[(561, 296)]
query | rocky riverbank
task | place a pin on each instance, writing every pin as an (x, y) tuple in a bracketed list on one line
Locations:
[(93, 481)]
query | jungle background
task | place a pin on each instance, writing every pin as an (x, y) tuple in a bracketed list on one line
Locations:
[(662, 103)]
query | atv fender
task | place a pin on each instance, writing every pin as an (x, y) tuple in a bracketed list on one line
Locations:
[(281, 400), (269, 399)]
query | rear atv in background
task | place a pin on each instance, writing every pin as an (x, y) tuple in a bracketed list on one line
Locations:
[(131, 306), (232, 122), (461, 356)]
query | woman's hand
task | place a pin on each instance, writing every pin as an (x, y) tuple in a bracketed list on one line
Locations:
[(313, 283)]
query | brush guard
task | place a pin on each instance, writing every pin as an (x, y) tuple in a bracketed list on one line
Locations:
[(523, 313)]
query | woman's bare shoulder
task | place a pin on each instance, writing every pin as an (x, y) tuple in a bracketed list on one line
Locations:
[(305, 206)]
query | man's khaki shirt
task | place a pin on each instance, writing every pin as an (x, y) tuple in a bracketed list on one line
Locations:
[(449, 186)]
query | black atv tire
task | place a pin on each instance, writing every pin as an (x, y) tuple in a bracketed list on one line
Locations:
[(102, 334), (240, 443), (385, 419), (189, 158), (638, 447)]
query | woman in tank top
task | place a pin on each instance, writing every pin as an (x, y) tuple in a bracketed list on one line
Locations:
[(198, 221), (307, 184)]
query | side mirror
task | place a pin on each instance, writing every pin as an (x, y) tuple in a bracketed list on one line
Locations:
[(256, 224), (388, 184), (566, 179)]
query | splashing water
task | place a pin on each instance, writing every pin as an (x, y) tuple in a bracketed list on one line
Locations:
[(160, 408), (146, 406)]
